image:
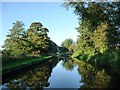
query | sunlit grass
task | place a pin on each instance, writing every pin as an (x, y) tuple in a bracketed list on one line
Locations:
[(22, 63)]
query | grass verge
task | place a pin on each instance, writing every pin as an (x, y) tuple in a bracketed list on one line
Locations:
[(23, 63)]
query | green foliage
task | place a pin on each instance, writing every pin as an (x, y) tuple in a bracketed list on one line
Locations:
[(35, 77), (100, 38), (20, 43), (101, 80), (68, 64), (13, 44), (69, 44), (39, 40), (92, 77), (99, 30), (37, 36)]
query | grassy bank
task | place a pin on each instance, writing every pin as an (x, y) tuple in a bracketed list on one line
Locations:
[(24, 63), (109, 60)]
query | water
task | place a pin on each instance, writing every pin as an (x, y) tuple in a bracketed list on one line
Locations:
[(58, 73), (63, 78)]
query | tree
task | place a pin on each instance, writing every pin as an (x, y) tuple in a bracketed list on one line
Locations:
[(38, 39), (100, 38), (91, 16), (37, 36), (99, 29), (72, 48), (13, 43), (34, 41), (69, 44)]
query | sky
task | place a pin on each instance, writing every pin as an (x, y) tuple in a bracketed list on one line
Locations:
[(60, 22)]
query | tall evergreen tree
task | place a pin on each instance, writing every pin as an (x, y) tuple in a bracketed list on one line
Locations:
[(38, 38), (13, 43)]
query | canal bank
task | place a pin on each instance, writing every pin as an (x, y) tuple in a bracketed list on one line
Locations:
[(21, 66), (95, 77), (61, 73)]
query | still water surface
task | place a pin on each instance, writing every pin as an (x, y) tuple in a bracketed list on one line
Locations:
[(64, 78), (59, 73)]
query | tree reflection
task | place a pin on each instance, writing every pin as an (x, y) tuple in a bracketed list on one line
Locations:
[(36, 78), (68, 64), (91, 77)]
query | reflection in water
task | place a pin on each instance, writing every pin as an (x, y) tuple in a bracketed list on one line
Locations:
[(91, 77), (68, 73), (69, 64), (62, 78), (37, 77)]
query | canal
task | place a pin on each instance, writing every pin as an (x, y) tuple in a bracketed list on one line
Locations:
[(60, 73)]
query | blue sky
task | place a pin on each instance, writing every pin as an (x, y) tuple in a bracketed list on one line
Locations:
[(60, 22)]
